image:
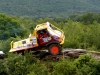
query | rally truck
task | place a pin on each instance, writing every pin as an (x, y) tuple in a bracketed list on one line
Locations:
[(44, 36)]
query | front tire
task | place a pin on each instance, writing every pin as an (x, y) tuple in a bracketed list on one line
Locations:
[(55, 49)]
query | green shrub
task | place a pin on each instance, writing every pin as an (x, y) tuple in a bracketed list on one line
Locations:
[(86, 65), (64, 67)]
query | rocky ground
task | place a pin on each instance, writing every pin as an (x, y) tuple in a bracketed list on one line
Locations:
[(67, 53)]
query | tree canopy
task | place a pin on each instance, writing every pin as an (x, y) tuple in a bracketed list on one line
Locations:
[(48, 8)]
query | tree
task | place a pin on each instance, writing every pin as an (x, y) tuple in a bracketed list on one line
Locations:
[(9, 27)]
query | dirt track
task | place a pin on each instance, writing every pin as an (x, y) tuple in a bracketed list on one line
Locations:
[(67, 53), (77, 52)]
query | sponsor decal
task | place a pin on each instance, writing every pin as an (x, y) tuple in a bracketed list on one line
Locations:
[(46, 39)]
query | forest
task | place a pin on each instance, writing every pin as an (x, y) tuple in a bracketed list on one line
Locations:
[(81, 31), (48, 8)]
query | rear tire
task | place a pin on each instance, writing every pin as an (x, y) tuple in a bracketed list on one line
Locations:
[(55, 49)]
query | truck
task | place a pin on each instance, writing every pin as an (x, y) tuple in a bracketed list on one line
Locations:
[(44, 36)]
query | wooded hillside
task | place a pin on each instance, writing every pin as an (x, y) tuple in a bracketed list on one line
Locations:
[(48, 8)]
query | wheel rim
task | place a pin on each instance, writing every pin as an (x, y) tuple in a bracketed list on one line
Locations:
[(54, 50)]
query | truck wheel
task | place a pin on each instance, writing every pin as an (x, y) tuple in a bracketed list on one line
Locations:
[(55, 49)]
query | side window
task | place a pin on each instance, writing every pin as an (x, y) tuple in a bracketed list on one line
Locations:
[(43, 33)]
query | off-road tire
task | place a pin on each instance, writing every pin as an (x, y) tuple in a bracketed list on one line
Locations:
[(55, 49)]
